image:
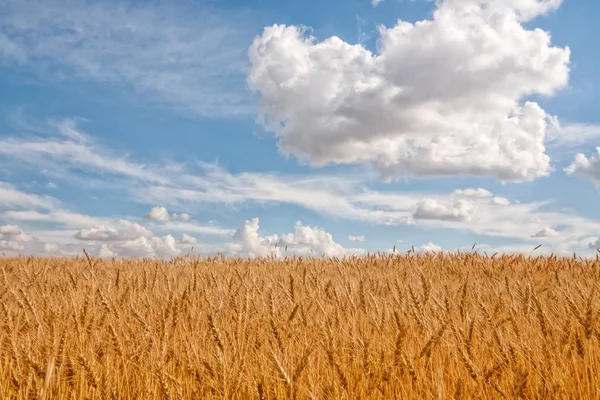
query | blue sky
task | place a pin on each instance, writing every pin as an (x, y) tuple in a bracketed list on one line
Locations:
[(159, 129)]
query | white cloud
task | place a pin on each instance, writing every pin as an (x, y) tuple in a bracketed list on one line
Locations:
[(326, 194), (59, 216), (12, 197), (245, 242), (161, 214), (187, 239), (182, 217), (51, 248), (356, 238), (129, 231), (61, 156), (500, 201), (158, 49), (105, 252), (51, 185), (429, 248), (58, 225), (375, 3), (140, 247), (158, 214), (307, 240), (545, 233), (460, 210), (14, 240), (14, 233), (11, 245), (165, 247), (526, 250), (147, 247), (68, 127), (442, 97), (12, 237), (571, 134), (248, 243), (523, 9), (185, 226), (473, 192), (304, 241), (586, 167), (10, 230), (594, 245)]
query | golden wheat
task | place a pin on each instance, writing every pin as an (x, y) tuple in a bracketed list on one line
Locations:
[(408, 327)]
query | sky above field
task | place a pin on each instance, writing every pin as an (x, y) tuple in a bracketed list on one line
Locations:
[(261, 127)]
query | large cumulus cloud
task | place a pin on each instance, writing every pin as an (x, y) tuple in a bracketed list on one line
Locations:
[(444, 96)]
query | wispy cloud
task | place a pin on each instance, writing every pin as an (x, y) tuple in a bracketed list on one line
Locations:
[(356, 238), (12, 197), (58, 218), (54, 153), (571, 135), (186, 56)]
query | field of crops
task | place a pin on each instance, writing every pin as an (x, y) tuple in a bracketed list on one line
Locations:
[(381, 327)]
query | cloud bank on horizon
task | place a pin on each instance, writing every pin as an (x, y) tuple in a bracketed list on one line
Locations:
[(395, 139)]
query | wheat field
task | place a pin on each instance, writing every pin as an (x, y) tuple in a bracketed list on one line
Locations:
[(383, 327)]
